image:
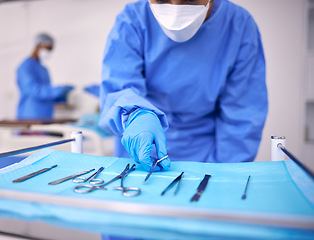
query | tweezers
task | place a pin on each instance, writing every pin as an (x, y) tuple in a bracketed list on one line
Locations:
[(153, 168), (177, 180)]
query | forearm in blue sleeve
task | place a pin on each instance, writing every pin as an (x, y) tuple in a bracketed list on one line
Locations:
[(118, 107), (123, 87)]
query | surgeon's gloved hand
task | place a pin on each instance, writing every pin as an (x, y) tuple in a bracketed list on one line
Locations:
[(60, 93), (61, 100), (93, 89), (67, 88), (143, 129)]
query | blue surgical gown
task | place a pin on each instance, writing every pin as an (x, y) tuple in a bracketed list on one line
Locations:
[(37, 96), (209, 91)]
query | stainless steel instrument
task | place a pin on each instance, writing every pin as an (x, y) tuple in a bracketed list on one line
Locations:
[(21, 179), (69, 177)]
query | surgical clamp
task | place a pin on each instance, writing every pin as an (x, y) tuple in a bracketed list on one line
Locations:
[(124, 190), (93, 180)]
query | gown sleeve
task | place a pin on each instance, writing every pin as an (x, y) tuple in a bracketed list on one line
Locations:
[(123, 86), (243, 104)]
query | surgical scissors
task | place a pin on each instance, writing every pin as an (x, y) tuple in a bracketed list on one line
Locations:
[(93, 180), (125, 190)]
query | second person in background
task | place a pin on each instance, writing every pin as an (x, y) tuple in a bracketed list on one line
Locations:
[(37, 95)]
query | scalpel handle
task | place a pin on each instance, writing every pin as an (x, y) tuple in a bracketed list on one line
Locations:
[(21, 179), (69, 177), (201, 188), (203, 183)]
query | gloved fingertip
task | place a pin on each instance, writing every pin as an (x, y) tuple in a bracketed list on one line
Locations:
[(165, 164), (127, 144), (135, 159), (146, 166)]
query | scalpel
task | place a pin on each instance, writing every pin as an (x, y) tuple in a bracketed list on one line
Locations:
[(201, 188), (21, 179), (70, 177)]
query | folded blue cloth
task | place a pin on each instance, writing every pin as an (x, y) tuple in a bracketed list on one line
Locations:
[(4, 162)]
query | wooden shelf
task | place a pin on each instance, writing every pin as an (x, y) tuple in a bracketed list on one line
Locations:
[(35, 122)]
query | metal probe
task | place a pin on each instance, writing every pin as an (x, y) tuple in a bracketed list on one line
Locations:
[(30, 149), (247, 183)]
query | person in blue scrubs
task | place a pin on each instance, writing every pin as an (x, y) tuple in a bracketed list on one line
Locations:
[(37, 95), (184, 78)]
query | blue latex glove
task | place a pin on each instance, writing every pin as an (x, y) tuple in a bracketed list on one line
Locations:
[(67, 89), (60, 93), (62, 99), (93, 89), (143, 129)]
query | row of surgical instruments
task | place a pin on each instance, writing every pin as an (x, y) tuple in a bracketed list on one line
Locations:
[(93, 183)]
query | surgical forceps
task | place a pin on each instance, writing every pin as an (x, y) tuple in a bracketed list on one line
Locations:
[(93, 180), (176, 180), (125, 190)]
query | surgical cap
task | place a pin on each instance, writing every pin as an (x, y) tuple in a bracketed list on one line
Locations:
[(43, 39)]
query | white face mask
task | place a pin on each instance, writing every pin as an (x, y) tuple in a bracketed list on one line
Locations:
[(180, 22), (44, 54)]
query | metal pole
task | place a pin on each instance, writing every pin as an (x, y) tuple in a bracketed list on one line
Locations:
[(276, 153), (30, 149), (297, 161), (77, 144)]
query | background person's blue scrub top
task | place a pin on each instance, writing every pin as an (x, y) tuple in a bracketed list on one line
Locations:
[(209, 90), (37, 96)]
